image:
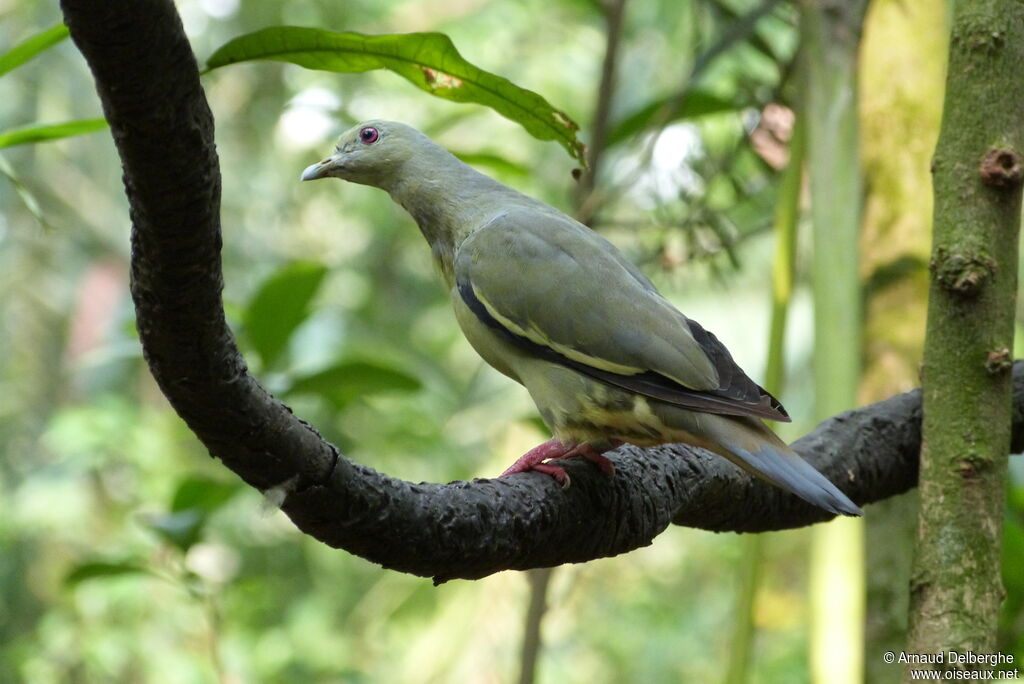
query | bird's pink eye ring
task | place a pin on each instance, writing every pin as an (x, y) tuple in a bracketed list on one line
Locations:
[(369, 135)]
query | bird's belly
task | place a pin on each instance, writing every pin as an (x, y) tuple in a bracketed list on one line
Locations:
[(579, 409), (575, 407)]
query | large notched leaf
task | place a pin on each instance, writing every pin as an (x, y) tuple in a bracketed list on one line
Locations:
[(280, 305), (693, 104), (347, 380), (42, 133), (27, 49), (427, 60)]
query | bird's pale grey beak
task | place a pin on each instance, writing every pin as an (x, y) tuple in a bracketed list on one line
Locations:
[(319, 170)]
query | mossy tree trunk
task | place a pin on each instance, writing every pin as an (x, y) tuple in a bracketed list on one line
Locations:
[(955, 587)]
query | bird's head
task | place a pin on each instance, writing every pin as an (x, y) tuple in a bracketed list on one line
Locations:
[(371, 153)]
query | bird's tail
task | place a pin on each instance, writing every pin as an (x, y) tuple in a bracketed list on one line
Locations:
[(748, 443)]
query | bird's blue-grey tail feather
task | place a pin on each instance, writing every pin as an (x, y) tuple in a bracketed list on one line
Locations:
[(755, 448)]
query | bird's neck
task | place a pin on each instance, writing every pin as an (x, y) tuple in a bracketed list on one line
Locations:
[(448, 200)]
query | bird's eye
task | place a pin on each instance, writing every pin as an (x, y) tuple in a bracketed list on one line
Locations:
[(369, 135)]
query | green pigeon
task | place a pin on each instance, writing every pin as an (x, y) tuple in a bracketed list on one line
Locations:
[(556, 307)]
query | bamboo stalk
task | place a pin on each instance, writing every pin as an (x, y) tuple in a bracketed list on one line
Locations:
[(831, 38), (787, 217)]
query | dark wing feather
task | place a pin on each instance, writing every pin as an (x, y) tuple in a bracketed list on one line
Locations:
[(733, 382), (738, 395)]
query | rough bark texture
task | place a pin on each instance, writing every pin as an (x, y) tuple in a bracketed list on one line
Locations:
[(147, 79), (955, 587)]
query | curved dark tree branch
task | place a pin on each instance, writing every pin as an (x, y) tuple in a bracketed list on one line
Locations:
[(148, 82)]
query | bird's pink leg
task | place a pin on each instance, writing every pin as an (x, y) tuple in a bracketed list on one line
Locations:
[(594, 455), (533, 460), (553, 449)]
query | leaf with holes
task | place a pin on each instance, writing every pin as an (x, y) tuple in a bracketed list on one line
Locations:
[(427, 60)]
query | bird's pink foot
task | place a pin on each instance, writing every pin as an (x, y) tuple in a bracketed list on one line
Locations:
[(553, 449), (534, 460), (593, 455)]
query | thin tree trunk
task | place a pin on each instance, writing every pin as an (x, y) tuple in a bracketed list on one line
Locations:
[(955, 587), (787, 219), (831, 39), (540, 580)]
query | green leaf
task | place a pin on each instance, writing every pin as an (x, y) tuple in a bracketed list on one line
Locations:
[(280, 305), (102, 569), (693, 104), (427, 60), (26, 50), (347, 380), (41, 133), (182, 529), (202, 494)]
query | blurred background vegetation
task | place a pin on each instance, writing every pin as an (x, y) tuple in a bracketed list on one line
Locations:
[(129, 555)]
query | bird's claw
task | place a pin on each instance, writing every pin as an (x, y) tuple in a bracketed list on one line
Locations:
[(535, 458), (561, 477), (594, 456)]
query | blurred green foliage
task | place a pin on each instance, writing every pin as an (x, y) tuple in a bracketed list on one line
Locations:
[(32, 46), (129, 555)]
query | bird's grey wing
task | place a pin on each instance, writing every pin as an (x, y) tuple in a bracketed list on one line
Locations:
[(561, 292)]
